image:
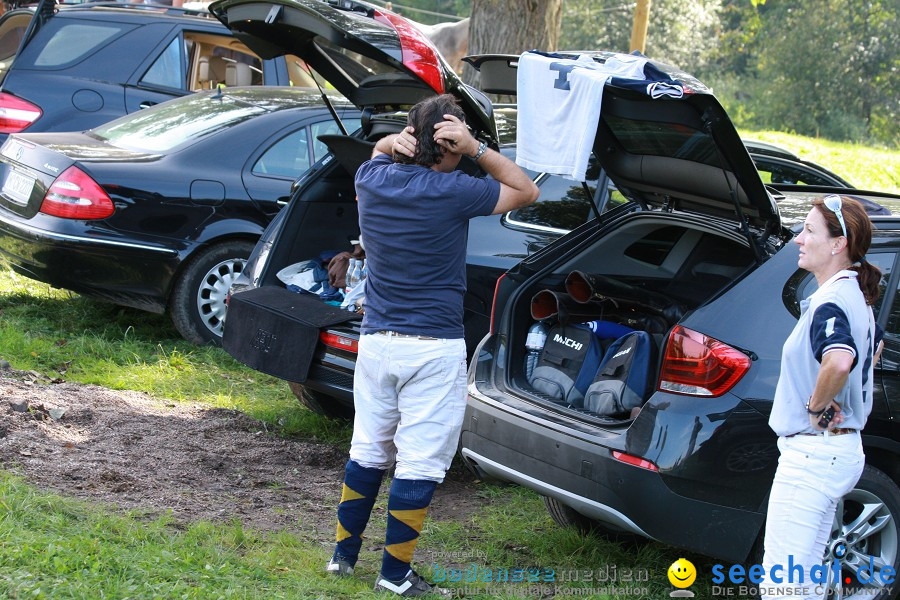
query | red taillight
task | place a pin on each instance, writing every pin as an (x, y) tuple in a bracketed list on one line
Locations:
[(698, 365), (418, 53), (16, 114), (340, 342), (74, 195), (494, 303), (636, 461)]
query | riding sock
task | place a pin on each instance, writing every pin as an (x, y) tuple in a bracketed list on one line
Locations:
[(357, 499), (407, 504)]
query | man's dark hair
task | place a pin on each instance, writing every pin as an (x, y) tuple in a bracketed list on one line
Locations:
[(423, 117)]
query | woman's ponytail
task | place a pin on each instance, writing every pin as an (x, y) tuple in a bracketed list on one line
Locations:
[(869, 276)]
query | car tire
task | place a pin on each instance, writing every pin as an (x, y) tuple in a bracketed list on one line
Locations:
[(197, 305), (320, 403), (566, 516), (875, 498), (878, 495)]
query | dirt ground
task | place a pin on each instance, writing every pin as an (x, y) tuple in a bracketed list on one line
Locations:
[(131, 451)]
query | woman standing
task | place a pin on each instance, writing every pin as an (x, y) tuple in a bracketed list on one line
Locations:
[(824, 392)]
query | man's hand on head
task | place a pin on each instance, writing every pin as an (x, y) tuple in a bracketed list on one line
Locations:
[(453, 135), (405, 142)]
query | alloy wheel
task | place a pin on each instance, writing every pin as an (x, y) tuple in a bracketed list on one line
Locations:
[(213, 291), (863, 538)]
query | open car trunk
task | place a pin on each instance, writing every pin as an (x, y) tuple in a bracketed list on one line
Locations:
[(644, 272)]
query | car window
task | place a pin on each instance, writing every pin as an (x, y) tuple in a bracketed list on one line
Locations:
[(12, 28), (772, 172), (168, 69), (169, 125), (562, 203), (885, 263), (288, 157), (73, 41), (329, 128)]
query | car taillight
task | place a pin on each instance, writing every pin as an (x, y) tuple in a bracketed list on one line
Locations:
[(74, 195), (340, 342), (16, 114), (636, 461), (417, 52), (494, 304), (698, 365)]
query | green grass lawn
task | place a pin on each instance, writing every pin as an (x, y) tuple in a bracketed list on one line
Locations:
[(52, 547)]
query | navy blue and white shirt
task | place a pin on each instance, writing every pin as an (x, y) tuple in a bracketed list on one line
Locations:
[(415, 223), (835, 317)]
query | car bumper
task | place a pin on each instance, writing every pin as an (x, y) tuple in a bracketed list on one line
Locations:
[(89, 261), (331, 373), (503, 443)]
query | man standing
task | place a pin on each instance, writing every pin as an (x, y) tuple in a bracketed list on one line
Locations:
[(410, 382)]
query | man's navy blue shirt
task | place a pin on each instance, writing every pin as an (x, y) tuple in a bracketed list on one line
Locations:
[(415, 224)]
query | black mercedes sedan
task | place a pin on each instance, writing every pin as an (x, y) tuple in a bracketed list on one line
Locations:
[(159, 210)]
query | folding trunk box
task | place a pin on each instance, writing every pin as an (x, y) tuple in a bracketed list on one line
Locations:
[(276, 331)]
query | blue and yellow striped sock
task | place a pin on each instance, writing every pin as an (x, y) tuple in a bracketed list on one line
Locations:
[(407, 505), (357, 499)]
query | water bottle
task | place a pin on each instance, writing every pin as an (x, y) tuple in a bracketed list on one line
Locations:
[(364, 272), (352, 273), (534, 343)]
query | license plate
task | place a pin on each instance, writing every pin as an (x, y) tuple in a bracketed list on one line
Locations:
[(17, 187)]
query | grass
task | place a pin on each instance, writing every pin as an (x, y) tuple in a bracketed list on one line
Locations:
[(53, 547)]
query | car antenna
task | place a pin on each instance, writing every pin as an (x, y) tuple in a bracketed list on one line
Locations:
[(325, 97), (218, 94)]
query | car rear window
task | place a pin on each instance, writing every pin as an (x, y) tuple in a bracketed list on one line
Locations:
[(168, 126), (73, 41), (674, 140)]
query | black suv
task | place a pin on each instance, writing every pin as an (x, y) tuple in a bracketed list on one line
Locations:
[(700, 259), (73, 67)]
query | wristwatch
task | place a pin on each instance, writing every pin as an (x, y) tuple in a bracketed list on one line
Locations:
[(810, 411), (481, 149)]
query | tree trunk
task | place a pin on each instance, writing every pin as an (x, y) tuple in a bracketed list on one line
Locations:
[(512, 27)]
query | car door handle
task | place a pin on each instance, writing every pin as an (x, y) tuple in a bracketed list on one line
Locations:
[(146, 104)]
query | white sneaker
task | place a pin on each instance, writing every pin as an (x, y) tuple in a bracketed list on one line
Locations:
[(410, 586)]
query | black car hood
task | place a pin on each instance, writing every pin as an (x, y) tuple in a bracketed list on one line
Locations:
[(369, 54)]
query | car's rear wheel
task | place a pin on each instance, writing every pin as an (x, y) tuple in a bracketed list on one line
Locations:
[(866, 530), (866, 523), (566, 516), (198, 299), (320, 403)]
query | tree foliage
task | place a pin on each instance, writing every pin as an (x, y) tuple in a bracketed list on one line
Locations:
[(827, 68), (681, 32)]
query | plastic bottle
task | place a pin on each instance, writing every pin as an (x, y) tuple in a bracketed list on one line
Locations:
[(534, 343), (353, 271)]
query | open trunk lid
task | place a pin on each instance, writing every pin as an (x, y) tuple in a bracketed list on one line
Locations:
[(670, 153), (369, 54)]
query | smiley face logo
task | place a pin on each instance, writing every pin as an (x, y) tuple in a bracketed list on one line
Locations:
[(682, 573)]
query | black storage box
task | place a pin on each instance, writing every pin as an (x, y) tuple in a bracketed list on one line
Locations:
[(276, 331)]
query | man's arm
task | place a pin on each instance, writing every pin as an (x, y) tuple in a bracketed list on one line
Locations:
[(516, 187), (384, 145)]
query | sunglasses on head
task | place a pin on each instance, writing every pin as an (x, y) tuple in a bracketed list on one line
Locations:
[(834, 203)]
